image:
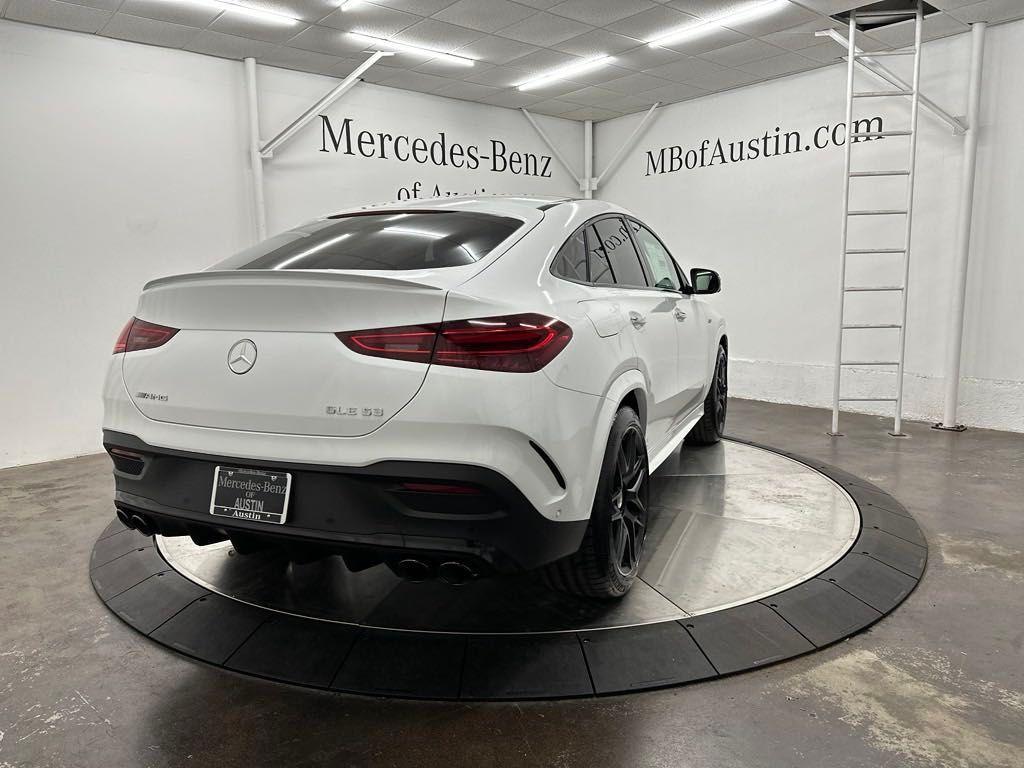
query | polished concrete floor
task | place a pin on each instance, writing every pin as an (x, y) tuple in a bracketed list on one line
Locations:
[(729, 524), (940, 682)]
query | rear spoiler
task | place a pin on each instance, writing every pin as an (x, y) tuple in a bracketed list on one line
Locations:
[(290, 276)]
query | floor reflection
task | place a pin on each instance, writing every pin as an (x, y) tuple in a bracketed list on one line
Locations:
[(730, 523)]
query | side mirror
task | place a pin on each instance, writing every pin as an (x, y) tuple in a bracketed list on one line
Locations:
[(705, 280)]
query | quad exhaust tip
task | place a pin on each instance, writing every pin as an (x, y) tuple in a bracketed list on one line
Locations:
[(135, 522), (454, 573), (413, 570)]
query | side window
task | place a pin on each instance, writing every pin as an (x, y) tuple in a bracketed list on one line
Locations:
[(659, 262), (571, 261), (618, 247), (600, 269)]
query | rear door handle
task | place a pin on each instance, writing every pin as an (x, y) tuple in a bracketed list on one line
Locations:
[(638, 320), (680, 315)]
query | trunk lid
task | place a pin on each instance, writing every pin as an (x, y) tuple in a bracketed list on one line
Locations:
[(256, 350)]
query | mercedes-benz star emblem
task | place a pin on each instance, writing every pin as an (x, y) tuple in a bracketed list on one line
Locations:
[(242, 356)]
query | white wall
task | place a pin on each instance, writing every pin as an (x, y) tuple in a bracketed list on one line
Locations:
[(122, 162), (771, 226)]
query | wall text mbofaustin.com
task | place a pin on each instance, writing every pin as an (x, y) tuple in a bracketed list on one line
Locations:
[(772, 144), (438, 151)]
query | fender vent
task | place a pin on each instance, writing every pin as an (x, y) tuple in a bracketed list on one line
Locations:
[(551, 464)]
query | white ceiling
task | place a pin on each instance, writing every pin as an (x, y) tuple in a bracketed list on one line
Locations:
[(511, 41)]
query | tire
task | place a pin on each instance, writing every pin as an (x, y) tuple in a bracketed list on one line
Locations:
[(709, 429), (608, 560)]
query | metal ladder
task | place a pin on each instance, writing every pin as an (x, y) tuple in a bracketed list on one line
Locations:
[(853, 53)]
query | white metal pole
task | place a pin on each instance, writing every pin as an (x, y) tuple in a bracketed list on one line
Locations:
[(626, 145), (851, 47), (255, 158), (588, 159), (954, 343), (551, 145)]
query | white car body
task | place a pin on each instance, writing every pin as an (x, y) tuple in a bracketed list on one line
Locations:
[(184, 397)]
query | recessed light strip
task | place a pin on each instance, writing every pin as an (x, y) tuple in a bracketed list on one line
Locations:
[(564, 73), (391, 45), (242, 10), (701, 28)]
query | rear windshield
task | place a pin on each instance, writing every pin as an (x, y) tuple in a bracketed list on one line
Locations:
[(395, 241)]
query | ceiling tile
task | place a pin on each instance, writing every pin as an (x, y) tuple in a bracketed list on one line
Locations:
[(443, 68), (513, 99), (741, 53), (306, 10), (790, 16), (544, 29), (628, 103), (778, 65), (378, 73), (459, 89), (232, 23), (592, 113), (103, 5), (828, 7), (484, 15), (553, 107), (800, 37), (683, 70), (333, 42), (653, 23), (591, 96), (596, 43), (601, 75), (228, 46), (672, 93), (645, 57), (421, 7), (496, 50), (823, 53), (416, 81), (948, 5), (539, 4), (991, 10), (296, 58), (638, 82), (125, 27), (52, 13), (897, 35), (501, 77), (600, 12), (715, 37), (712, 9), (374, 20), (160, 10), (723, 79), (543, 60), (437, 35)]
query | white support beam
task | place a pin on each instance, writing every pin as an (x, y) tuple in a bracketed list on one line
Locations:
[(255, 158), (551, 145), (267, 150), (587, 187), (954, 340), (863, 60), (626, 146)]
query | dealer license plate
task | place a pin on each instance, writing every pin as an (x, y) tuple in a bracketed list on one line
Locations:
[(250, 494)]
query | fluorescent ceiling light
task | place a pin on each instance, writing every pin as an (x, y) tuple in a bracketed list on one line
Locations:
[(387, 45), (564, 73), (242, 10), (703, 27)]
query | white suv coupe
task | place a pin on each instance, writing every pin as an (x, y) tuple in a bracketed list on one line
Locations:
[(453, 387)]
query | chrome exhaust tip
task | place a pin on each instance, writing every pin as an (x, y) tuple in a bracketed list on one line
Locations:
[(413, 570), (124, 518), (455, 573)]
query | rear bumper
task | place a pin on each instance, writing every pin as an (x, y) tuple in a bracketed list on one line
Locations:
[(352, 510)]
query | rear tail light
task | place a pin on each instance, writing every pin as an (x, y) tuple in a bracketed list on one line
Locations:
[(512, 343), (138, 334)]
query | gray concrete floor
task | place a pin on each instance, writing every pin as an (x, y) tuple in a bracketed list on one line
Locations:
[(939, 682)]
